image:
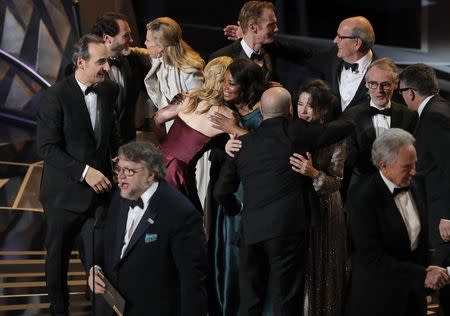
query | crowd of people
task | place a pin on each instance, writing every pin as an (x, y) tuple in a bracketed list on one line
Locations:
[(246, 205)]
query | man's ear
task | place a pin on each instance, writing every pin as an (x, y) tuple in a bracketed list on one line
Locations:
[(253, 27), (80, 63), (107, 39)]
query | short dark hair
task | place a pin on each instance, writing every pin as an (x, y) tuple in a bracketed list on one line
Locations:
[(421, 78), (107, 24), (323, 100), (250, 78), (147, 154), (81, 48)]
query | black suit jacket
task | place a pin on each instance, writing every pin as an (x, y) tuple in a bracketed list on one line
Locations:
[(279, 49), (134, 67), (387, 277), (163, 270), (66, 142), (277, 200), (433, 162), (359, 144)]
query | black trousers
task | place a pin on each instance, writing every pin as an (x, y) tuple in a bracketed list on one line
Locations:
[(277, 263), (66, 230)]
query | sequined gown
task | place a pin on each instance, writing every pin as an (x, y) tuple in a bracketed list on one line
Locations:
[(326, 272), (181, 149)]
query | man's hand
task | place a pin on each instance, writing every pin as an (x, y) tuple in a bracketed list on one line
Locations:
[(444, 229), (233, 32), (97, 181), (99, 284), (304, 165), (224, 123), (233, 146), (436, 277)]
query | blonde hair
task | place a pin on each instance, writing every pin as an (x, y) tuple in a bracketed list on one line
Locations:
[(211, 90), (167, 33)]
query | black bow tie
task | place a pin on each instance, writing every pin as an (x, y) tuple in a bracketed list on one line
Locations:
[(90, 89), (134, 203), (353, 67), (255, 56), (399, 190), (375, 111), (115, 62)]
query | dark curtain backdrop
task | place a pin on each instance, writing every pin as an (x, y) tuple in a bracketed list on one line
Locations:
[(396, 22)]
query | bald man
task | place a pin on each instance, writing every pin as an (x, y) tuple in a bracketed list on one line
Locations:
[(276, 206)]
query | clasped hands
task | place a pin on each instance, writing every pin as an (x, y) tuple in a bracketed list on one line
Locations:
[(436, 277)]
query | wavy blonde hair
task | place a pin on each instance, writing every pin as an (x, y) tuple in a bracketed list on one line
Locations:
[(167, 33), (211, 90)]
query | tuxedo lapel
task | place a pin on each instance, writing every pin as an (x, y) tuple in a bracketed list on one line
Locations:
[(78, 104), (396, 116), (148, 219), (368, 127), (120, 231), (393, 215)]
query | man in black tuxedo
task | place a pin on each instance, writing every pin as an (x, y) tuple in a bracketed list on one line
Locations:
[(155, 246), (345, 66), (373, 117), (419, 88), (128, 67), (277, 205), (388, 227), (76, 137), (258, 22)]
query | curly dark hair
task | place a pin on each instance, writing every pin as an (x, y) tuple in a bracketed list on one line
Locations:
[(322, 100), (250, 78)]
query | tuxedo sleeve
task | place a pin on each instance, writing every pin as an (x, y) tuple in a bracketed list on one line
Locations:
[(320, 135), (188, 247), (439, 148), (368, 241), (225, 187), (50, 138)]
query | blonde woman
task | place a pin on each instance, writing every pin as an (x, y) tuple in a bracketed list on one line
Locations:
[(192, 130), (176, 67)]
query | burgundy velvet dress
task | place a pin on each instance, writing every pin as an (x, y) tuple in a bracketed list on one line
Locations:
[(181, 149)]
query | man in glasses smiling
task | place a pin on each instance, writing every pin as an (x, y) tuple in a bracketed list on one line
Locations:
[(419, 88), (375, 116)]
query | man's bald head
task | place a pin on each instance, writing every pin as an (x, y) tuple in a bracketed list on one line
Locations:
[(276, 102), (360, 27)]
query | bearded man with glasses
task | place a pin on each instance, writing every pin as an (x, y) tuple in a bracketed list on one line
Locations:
[(154, 249)]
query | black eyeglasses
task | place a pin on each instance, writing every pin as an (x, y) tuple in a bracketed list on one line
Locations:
[(384, 85), (341, 37), (401, 90), (126, 171)]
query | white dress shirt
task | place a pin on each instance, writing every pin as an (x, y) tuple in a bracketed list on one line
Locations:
[(381, 122), (135, 215), (91, 103), (349, 81), (408, 210)]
